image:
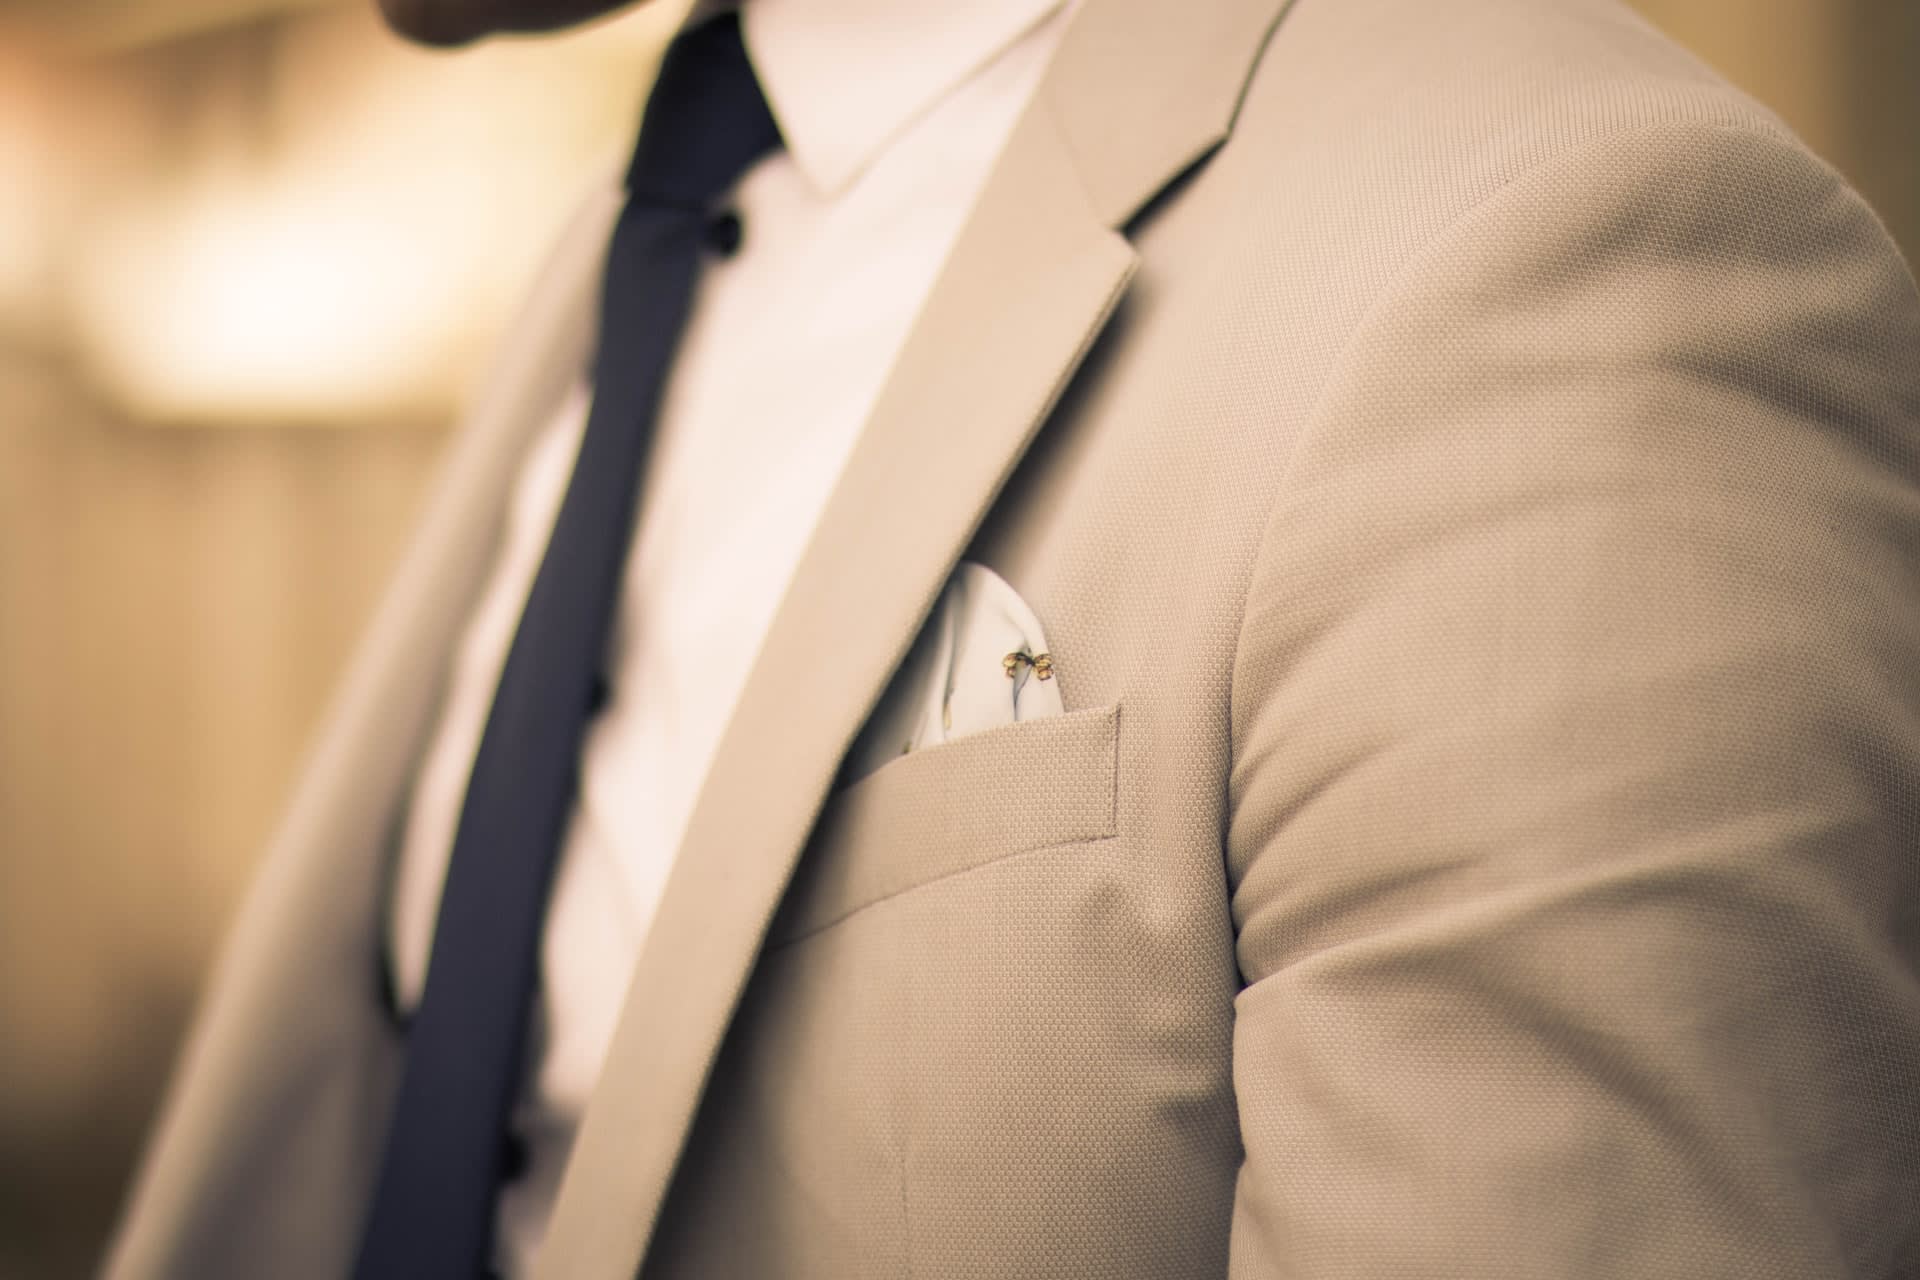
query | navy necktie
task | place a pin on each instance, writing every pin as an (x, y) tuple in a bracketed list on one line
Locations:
[(432, 1211)]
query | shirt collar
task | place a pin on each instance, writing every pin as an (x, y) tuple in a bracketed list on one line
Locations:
[(845, 77)]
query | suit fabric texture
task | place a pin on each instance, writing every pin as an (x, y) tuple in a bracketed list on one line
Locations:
[(1466, 459)]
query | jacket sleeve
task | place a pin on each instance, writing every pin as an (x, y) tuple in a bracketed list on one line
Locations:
[(1575, 808)]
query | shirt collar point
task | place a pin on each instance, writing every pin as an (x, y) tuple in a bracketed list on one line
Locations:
[(835, 129)]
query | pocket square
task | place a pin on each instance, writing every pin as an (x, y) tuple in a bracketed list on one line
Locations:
[(980, 662)]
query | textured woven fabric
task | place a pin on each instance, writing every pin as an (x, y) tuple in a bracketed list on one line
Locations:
[(1069, 759), (1490, 521)]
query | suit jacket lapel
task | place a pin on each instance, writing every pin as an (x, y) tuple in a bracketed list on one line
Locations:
[(1027, 288)]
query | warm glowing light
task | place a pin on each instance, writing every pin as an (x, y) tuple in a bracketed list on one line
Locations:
[(357, 268), (266, 305)]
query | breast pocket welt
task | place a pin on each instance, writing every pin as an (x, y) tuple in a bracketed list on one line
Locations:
[(951, 809)]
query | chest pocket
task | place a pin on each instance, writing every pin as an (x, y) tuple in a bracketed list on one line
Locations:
[(952, 808)]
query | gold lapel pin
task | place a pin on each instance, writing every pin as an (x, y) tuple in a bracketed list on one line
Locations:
[(1042, 664)]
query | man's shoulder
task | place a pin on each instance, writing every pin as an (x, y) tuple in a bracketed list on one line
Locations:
[(1372, 132), (1428, 106), (1447, 83)]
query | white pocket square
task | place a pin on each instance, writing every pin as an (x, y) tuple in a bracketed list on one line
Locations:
[(980, 662)]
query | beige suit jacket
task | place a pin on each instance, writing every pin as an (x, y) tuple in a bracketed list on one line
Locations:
[(1467, 462)]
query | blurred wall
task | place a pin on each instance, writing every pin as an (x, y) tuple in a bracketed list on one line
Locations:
[(246, 274), (247, 266)]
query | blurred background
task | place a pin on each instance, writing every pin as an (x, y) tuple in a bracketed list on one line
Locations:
[(252, 254)]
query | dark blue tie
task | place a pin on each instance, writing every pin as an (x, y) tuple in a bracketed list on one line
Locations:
[(432, 1213)]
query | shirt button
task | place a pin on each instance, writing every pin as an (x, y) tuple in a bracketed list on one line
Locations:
[(723, 234)]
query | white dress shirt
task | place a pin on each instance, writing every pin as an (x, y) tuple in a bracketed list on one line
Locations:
[(893, 112)]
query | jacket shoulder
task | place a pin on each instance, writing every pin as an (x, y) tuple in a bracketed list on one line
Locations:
[(1392, 118)]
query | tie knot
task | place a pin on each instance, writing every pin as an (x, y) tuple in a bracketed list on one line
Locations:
[(706, 119)]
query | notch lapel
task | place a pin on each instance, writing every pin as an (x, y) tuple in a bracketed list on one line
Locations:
[(1029, 285)]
